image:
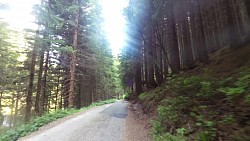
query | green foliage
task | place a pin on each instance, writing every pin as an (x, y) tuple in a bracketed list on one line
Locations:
[(181, 131), (202, 136), (171, 109), (208, 135), (232, 91), (194, 86), (241, 86), (33, 125), (159, 133), (148, 95), (103, 102), (193, 81), (209, 131), (126, 96), (170, 113), (168, 137), (228, 119), (65, 49), (142, 96), (206, 89), (193, 98)]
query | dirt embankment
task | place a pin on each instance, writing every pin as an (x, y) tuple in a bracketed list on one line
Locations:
[(137, 124)]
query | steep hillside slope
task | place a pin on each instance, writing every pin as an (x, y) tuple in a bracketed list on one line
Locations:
[(208, 103)]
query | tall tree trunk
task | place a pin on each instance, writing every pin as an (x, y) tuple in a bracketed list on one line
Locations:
[(31, 84), (12, 110), (188, 59), (158, 71), (16, 109), (233, 32), (173, 47), (43, 86), (57, 92), (78, 96), (239, 10), (73, 63), (138, 81), (201, 42), (215, 19), (1, 114), (65, 91), (145, 70), (247, 3), (38, 93)]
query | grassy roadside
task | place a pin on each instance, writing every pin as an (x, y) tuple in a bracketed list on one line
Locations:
[(36, 123)]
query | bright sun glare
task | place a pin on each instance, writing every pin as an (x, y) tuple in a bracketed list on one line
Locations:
[(115, 23), (19, 16)]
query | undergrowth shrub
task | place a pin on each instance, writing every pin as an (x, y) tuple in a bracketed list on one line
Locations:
[(194, 98), (194, 86), (240, 86), (147, 96), (170, 117), (126, 96)]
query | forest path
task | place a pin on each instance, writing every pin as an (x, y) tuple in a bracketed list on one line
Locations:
[(103, 123)]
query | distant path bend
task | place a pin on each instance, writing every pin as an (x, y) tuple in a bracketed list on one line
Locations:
[(103, 123)]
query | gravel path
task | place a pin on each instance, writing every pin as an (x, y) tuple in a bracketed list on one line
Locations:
[(104, 123)]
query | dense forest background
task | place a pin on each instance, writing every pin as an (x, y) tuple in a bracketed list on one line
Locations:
[(168, 37), (65, 63)]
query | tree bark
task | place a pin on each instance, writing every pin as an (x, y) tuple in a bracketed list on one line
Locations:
[(43, 86), (16, 110), (138, 81), (233, 32), (73, 63), (247, 3), (187, 50), (38, 93), (31, 84), (57, 92), (201, 42), (1, 115), (172, 36)]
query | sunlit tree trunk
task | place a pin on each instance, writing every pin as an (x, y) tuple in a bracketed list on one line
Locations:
[(43, 86), (16, 109), (31, 84), (73, 63), (39, 82), (1, 115), (12, 110)]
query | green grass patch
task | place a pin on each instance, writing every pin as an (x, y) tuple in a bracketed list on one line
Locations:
[(34, 124)]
